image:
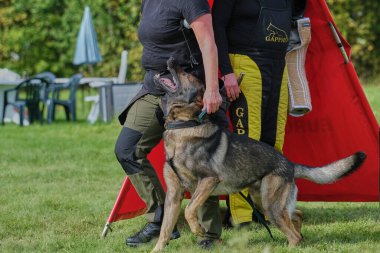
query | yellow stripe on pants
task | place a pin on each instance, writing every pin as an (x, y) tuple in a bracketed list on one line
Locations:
[(282, 114), (251, 87)]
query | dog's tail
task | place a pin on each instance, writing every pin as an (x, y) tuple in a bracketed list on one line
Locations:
[(331, 172)]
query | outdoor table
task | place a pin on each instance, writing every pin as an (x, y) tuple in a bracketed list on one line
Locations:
[(87, 81), (111, 99)]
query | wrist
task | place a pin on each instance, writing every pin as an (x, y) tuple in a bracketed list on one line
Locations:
[(212, 89)]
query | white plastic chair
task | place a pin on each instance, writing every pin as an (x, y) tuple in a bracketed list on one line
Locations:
[(95, 107)]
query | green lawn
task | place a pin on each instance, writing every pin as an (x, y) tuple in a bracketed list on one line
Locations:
[(59, 182), (373, 96)]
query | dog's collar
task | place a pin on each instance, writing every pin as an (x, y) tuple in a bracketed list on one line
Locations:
[(181, 124), (178, 124)]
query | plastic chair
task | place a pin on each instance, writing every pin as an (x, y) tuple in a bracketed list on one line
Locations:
[(50, 78), (27, 94), (68, 104)]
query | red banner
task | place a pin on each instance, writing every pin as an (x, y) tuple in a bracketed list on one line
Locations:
[(341, 121)]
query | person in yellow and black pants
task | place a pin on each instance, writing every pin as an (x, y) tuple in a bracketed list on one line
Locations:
[(252, 38)]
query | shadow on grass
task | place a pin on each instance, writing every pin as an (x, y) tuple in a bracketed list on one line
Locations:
[(327, 227), (326, 223), (323, 223)]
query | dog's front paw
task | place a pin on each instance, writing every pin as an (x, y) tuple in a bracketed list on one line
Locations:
[(156, 249), (198, 230)]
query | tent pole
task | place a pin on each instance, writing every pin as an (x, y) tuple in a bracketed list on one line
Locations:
[(339, 43), (105, 229)]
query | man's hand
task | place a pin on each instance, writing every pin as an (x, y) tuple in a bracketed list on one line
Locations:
[(212, 100), (232, 87)]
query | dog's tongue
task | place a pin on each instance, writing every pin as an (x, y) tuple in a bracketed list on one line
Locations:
[(168, 82)]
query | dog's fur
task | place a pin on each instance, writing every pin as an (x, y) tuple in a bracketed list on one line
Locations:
[(208, 160)]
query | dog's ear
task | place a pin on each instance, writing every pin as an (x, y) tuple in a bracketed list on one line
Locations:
[(165, 82)]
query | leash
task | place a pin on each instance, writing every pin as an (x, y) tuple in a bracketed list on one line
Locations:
[(170, 161), (184, 25), (201, 115), (258, 215)]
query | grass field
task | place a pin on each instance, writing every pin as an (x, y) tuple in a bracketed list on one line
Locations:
[(373, 95), (58, 184)]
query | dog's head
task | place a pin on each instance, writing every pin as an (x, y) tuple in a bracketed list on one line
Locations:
[(184, 93)]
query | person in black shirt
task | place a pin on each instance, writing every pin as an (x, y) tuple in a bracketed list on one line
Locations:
[(252, 37), (163, 33)]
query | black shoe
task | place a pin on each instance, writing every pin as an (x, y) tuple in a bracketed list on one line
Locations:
[(147, 233), (206, 244)]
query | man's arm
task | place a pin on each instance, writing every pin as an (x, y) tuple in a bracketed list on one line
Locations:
[(202, 27)]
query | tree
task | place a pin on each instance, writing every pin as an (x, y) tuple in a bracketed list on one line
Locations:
[(40, 35), (359, 23)]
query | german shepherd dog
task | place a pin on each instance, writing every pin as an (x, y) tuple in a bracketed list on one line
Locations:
[(205, 159)]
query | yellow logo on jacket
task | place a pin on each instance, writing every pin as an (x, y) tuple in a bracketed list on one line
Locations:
[(276, 35)]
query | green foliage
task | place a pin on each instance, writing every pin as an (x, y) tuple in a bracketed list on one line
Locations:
[(358, 21), (40, 35), (372, 91)]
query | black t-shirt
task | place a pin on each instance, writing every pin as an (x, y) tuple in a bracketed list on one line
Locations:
[(234, 21), (161, 35)]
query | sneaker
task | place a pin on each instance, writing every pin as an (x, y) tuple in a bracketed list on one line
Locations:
[(147, 233)]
